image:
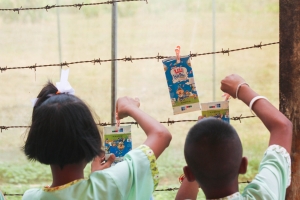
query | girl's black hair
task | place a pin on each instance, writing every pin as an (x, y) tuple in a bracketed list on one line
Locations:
[(63, 130)]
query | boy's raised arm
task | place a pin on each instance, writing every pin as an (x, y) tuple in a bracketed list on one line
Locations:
[(158, 137), (187, 190), (279, 126)]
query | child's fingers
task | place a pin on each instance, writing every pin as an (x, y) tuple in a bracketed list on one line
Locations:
[(226, 96), (109, 161), (200, 117)]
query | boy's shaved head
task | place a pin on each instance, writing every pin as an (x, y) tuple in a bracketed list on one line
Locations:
[(213, 152)]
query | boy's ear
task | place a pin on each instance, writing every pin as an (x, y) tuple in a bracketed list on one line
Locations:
[(243, 166), (188, 174)]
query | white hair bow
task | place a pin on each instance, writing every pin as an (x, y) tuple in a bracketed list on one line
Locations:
[(63, 85)]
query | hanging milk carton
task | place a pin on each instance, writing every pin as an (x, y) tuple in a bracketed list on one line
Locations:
[(117, 141), (219, 110), (181, 84)]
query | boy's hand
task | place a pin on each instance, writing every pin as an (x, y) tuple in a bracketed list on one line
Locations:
[(124, 105), (230, 83), (98, 163)]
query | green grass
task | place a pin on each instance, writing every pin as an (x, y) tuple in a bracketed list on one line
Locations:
[(143, 30)]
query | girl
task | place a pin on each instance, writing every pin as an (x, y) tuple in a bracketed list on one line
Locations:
[(1, 196), (64, 135)]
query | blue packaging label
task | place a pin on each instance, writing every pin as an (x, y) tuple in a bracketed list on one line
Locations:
[(218, 109), (117, 141)]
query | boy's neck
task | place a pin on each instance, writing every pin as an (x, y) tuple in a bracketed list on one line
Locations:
[(68, 174), (217, 193)]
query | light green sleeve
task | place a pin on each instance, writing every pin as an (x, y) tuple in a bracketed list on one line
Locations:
[(274, 176), (1, 196), (137, 176)]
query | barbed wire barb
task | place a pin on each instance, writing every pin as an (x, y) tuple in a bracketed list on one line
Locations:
[(78, 5), (3, 69), (192, 55), (127, 59), (225, 51), (49, 7), (258, 46)]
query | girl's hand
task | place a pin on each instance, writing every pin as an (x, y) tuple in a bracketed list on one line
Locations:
[(99, 164), (124, 105), (230, 83)]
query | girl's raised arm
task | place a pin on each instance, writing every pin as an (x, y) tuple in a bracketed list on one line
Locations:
[(158, 137)]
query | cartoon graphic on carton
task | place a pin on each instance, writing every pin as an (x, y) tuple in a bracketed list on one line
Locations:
[(180, 93)]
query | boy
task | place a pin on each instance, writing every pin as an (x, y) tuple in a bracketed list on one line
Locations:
[(213, 152)]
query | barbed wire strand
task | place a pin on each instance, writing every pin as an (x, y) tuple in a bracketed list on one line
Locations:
[(78, 5), (131, 59), (157, 190), (175, 188), (169, 122)]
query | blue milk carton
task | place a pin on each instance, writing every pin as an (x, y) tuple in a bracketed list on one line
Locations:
[(181, 84), (217, 109), (117, 141)]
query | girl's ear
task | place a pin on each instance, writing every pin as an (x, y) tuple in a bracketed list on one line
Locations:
[(188, 174), (243, 166)]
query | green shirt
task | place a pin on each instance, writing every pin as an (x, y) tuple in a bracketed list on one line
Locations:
[(134, 178), (273, 178)]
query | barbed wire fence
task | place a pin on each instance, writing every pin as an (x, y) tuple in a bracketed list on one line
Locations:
[(158, 57), (157, 190), (78, 5), (125, 59), (131, 59), (169, 122)]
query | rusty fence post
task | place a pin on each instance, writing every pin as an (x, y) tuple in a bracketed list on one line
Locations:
[(289, 82)]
